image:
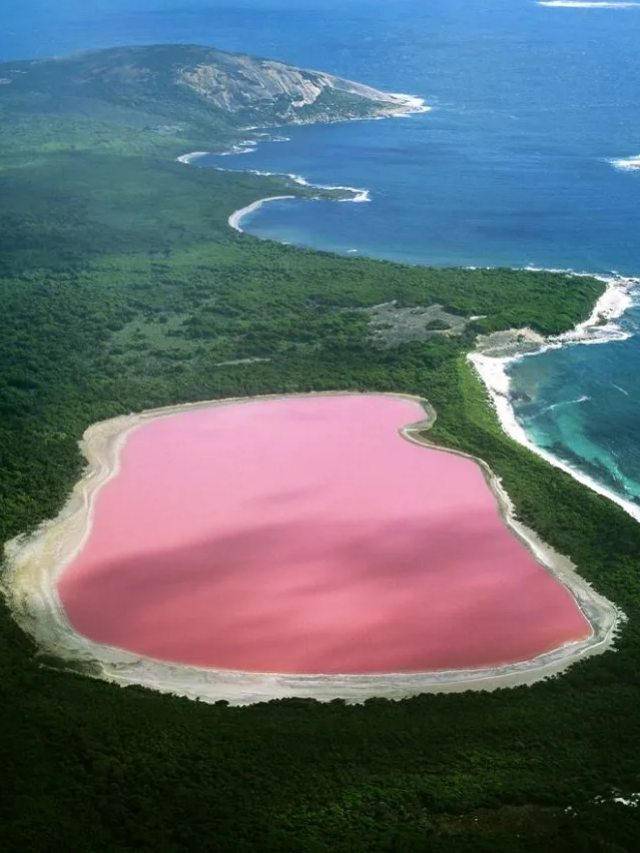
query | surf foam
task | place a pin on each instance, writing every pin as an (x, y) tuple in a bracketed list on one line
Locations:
[(412, 104), (626, 164), (582, 4)]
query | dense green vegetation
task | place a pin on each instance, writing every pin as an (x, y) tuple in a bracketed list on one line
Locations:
[(123, 288)]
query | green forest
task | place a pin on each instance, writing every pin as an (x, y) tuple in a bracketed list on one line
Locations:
[(123, 288)]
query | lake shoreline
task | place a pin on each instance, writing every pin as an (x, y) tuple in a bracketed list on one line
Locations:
[(37, 561)]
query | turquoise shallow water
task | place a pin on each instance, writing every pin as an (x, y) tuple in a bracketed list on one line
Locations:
[(584, 406), (510, 168)]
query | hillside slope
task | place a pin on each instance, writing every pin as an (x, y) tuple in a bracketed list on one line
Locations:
[(196, 84)]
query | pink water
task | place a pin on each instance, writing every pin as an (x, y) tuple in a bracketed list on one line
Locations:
[(305, 535)]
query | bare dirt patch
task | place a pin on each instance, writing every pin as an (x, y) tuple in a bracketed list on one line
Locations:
[(392, 324), (509, 342)]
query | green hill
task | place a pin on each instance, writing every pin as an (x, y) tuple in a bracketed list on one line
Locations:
[(197, 87)]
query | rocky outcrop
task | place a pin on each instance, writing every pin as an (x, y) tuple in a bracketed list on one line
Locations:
[(254, 84), (200, 83)]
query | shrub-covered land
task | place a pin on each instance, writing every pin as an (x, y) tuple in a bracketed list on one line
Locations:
[(122, 288)]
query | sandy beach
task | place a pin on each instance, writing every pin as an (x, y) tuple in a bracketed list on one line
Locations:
[(237, 216), (35, 563), (494, 354), (192, 157)]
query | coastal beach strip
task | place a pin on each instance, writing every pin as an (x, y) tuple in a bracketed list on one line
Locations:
[(236, 218), (600, 328)]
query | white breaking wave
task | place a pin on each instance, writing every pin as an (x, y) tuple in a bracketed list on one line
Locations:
[(583, 399), (359, 195), (561, 404), (415, 105), (622, 391), (626, 164), (267, 137), (583, 4), (246, 147)]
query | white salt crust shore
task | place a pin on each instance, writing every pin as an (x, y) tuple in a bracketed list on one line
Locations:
[(34, 563), (613, 303)]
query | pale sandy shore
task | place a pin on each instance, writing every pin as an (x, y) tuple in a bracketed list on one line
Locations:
[(34, 563), (237, 216), (494, 353)]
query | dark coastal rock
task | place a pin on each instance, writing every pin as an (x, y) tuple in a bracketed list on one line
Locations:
[(520, 397)]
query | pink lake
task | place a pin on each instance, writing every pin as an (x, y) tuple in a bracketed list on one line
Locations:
[(305, 535)]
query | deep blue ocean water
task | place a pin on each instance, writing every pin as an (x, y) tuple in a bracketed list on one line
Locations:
[(510, 168)]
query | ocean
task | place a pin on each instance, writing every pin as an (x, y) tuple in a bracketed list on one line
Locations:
[(529, 156)]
